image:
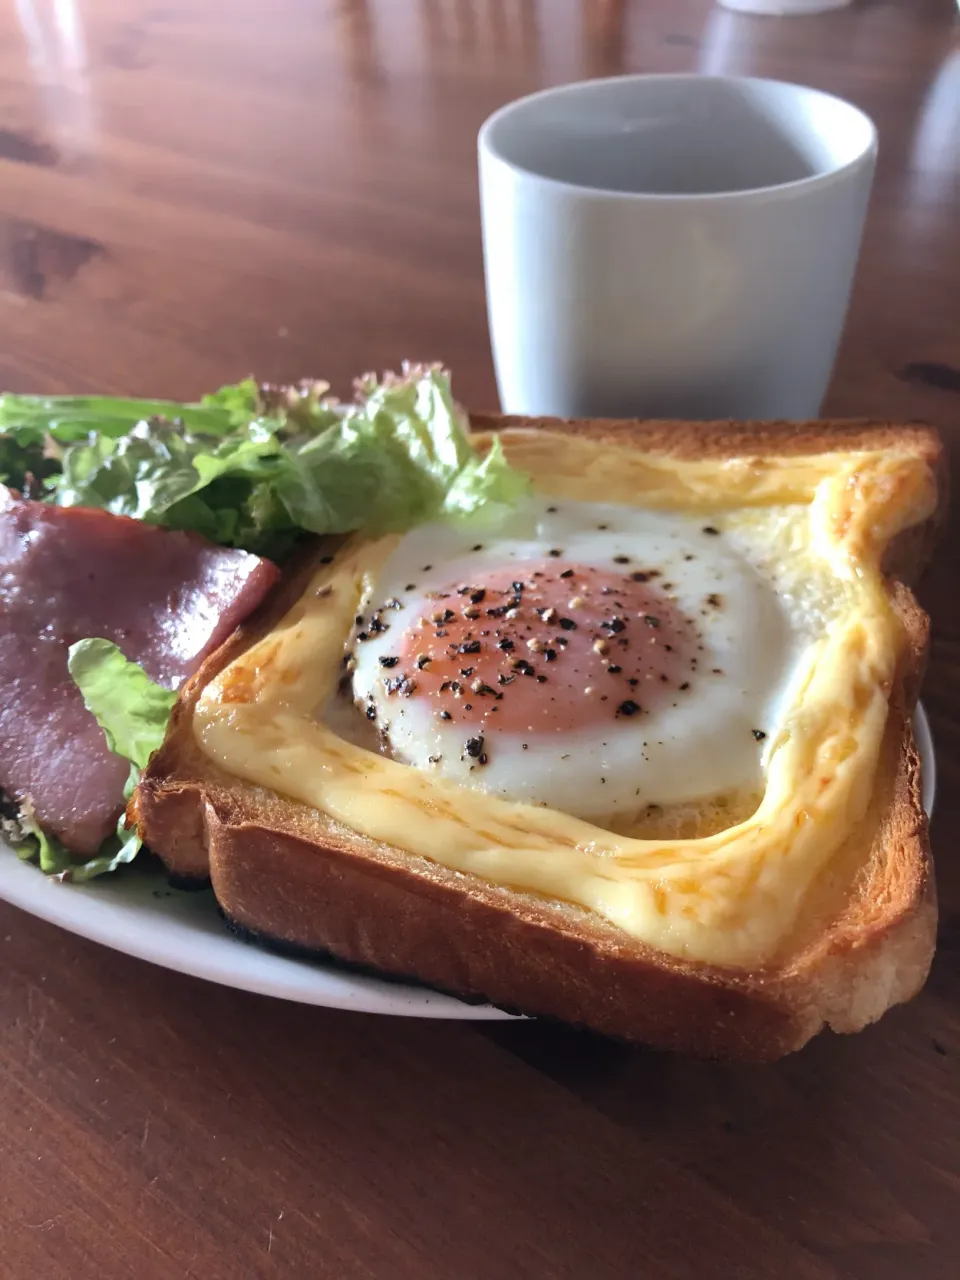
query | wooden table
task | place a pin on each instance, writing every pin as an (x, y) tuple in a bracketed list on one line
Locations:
[(194, 190)]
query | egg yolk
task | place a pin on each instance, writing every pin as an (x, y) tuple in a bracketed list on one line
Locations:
[(538, 647)]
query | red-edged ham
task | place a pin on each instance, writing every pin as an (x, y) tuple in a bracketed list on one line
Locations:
[(165, 598)]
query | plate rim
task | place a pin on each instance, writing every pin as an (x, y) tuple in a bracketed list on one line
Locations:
[(255, 969)]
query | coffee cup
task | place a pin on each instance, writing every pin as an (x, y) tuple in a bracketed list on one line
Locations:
[(671, 245)]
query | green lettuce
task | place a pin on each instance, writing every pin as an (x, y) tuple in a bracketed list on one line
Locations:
[(32, 843), (257, 467), (68, 418), (131, 710), (133, 713), (486, 488), (23, 460)]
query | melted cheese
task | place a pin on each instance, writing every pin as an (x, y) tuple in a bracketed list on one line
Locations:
[(729, 898)]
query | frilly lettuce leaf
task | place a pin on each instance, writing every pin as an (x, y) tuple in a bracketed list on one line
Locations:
[(486, 489), (32, 843), (133, 712), (256, 466), (23, 459)]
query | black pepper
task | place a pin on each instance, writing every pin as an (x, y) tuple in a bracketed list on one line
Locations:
[(402, 685), (474, 747), (627, 708), (388, 661)]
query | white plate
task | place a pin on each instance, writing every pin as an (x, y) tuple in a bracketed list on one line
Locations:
[(140, 915)]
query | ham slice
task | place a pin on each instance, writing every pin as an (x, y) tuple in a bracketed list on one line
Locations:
[(165, 598)]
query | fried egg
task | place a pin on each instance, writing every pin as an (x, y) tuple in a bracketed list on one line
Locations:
[(593, 658)]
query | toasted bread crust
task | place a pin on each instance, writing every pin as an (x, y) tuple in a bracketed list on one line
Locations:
[(283, 872)]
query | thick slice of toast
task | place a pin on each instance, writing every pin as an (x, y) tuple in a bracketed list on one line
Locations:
[(286, 874)]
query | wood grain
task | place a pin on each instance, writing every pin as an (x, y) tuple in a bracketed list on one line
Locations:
[(190, 191)]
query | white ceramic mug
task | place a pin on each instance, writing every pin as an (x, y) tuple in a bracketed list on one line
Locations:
[(671, 246)]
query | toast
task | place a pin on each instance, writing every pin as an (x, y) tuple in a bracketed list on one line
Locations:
[(286, 874)]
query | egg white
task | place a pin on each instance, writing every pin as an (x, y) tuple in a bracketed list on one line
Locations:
[(707, 742)]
